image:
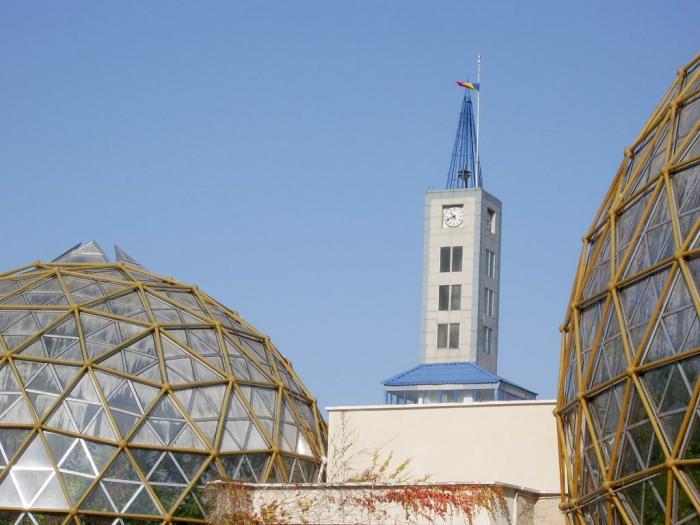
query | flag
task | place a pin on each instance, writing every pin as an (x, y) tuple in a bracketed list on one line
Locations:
[(468, 85)]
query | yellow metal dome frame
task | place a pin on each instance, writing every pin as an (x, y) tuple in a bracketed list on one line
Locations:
[(123, 392), (628, 413)]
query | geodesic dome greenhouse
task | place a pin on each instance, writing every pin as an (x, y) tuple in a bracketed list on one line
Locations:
[(628, 410), (123, 392)]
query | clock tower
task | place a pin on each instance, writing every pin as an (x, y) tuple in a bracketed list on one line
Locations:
[(461, 286)]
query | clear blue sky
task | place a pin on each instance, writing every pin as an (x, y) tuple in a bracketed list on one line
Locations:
[(277, 153)]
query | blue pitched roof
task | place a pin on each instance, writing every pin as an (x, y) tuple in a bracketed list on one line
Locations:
[(446, 374)]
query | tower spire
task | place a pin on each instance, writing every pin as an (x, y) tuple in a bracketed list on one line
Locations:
[(465, 168)]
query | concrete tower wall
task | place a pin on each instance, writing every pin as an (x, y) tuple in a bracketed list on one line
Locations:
[(479, 231)]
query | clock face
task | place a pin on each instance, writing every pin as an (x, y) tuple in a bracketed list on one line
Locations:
[(453, 216)]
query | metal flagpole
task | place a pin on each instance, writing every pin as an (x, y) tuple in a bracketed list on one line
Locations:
[(477, 175)]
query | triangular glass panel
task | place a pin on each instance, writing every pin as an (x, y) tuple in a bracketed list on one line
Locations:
[(651, 169), (48, 292), (636, 161), (656, 242), (83, 412), (227, 319), (11, 439), (128, 305), (138, 359), (105, 273), (32, 480), (187, 299), (204, 342), (60, 342), (16, 326), (86, 252), (102, 334), (240, 432), (599, 277), (691, 149), (687, 193), (287, 378), (677, 329), (121, 490), (169, 314), (8, 285), (640, 446), (13, 407), (192, 505), (253, 348), (610, 360), (127, 400), (167, 426), (168, 473), (669, 392), (683, 511), (589, 326), (307, 419), (123, 257), (245, 467), (292, 437), (639, 300), (627, 222), (204, 405), (264, 404), (182, 366), (571, 371), (143, 277), (44, 382), (243, 367), (84, 290), (78, 461), (687, 118)]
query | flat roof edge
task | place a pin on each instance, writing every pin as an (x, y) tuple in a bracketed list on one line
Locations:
[(380, 485), (475, 404)]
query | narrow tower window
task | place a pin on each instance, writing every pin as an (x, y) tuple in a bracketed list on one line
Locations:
[(451, 259), (448, 335), (457, 259), (454, 335), (489, 302), (449, 297), (491, 220), (488, 339), (490, 264), (442, 335)]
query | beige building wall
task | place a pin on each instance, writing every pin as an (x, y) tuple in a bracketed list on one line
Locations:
[(479, 230), (507, 442)]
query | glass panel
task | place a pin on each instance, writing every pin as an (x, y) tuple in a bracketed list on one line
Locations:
[(443, 297), (442, 336), (457, 258), (102, 334), (13, 407), (128, 305), (32, 481), (60, 342), (240, 433), (456, 297), (454, 335), (182, 366), (203, 342), (204, 405), (82, 411), (127, 400), (167, 426), (16, 326), (445, 259), (137, 359)]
